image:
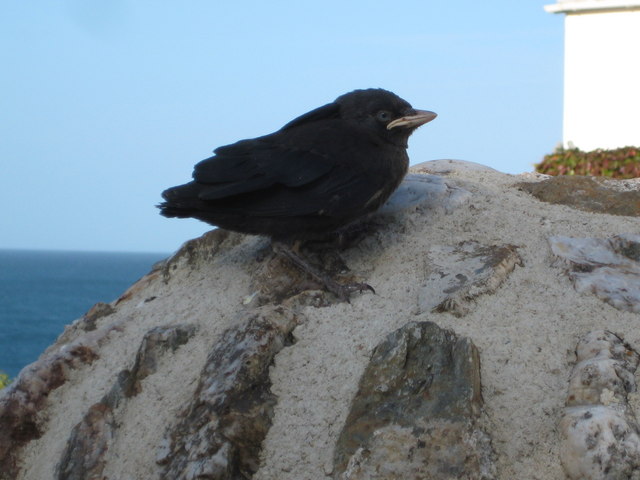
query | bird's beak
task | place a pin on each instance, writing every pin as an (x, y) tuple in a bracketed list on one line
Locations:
[(413, 121)]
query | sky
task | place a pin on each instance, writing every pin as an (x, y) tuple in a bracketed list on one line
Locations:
[(106, 104)]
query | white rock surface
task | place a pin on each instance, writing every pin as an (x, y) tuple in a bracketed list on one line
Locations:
[(607, 267), (428, 191)]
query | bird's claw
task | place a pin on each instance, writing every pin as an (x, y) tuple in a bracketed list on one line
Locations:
[(344, 291), (360, 287)]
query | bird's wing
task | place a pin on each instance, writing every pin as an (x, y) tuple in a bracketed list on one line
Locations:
[(326, 112), (258, 163), (308, 170), (329, 195), (252, 165)]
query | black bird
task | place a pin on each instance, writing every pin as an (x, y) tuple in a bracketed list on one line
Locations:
[(314, 176)]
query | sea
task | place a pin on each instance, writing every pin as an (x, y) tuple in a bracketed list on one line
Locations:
[(42, 291)]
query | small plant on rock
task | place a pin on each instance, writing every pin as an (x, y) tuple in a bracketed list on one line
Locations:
[(618, 163)]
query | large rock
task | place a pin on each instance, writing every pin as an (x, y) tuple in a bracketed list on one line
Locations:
[(121, 396), (416, 410), (219, 434)]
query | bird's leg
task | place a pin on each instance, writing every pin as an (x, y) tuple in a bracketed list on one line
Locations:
[(342, 291)]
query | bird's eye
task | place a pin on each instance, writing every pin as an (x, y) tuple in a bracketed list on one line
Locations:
[(383, 116)]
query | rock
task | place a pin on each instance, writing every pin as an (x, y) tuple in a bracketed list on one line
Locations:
[(203, 248), (87, 323), (458, 274), (599, 434), (428, 191), (592, 194), (22, 401), (451, 166), (154, 344), (608, 268), (88, 445), (90, 440), (522, 328), (276, 279), (220, 433), (416, 410), (98, 311)]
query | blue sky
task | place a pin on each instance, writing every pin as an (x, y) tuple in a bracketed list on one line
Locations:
[(105, 104)]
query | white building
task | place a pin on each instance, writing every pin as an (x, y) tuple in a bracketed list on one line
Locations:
[(601, 73)]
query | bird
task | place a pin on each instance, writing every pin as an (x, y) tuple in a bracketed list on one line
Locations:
[(315, 176)]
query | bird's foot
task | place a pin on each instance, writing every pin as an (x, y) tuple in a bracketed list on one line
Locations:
[(344, 290), (340, 290)]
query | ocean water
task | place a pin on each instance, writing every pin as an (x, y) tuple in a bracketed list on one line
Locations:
[(42, 291)]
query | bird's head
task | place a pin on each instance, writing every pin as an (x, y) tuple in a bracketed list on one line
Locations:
[(389, 116)]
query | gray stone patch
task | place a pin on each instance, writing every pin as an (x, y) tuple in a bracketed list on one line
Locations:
[(458, 274), (415, 412), (607, 267), (219, 434), (429, 191)]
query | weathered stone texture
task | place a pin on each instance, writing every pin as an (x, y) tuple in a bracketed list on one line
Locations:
[(22, 400), (219, 434), (460, 273), (416, 410), (85, 455), (606, 267), (592, 194), (599, 433)]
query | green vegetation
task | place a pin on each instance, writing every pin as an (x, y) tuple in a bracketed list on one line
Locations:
[(4, 380), (619, 163)]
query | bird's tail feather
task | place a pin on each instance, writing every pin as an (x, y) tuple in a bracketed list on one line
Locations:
[(181, 201)]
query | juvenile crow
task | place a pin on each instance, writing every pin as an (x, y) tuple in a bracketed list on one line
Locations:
[(317, 174)]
